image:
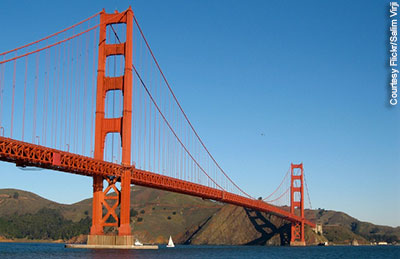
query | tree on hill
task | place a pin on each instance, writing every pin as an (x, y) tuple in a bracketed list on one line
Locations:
[(45, 224)]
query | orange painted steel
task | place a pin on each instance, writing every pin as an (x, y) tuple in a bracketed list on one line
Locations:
[(111, 207), (297, 201), (26, 154), (120, 125)]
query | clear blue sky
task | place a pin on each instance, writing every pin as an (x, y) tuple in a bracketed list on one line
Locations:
[(312, 76)]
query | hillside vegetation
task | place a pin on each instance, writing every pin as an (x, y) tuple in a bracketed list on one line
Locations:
[(156, 214), (45, 224), (340, 226)]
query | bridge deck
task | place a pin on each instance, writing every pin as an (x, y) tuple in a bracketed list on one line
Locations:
[(26, 154)]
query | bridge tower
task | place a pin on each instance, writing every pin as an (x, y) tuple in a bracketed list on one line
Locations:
[(121, 125), (297, 202)]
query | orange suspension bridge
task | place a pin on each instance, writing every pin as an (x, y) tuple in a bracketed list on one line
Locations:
[(92, 100)]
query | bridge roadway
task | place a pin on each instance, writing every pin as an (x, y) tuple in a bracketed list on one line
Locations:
[(26, 154)]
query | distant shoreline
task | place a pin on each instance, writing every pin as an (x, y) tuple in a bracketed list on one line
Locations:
[(24, 240)]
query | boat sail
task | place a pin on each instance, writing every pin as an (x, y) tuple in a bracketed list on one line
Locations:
[(137, 243), (170, 242)]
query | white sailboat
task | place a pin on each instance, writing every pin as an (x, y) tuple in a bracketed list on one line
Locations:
[(170, 242), (137, 243)]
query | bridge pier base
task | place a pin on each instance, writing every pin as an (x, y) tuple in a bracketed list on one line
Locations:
[(297, 243), (110, 240)]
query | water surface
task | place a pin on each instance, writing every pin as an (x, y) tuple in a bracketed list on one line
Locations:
[(50, 251)]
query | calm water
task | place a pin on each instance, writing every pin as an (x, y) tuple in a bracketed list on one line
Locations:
[(49, 251)]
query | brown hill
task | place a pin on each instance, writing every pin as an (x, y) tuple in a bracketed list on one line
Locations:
[(234, 225), (161, 214), (156, 214)]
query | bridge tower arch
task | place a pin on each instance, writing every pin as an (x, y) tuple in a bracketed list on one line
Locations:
[(121, 125), (297, 204)]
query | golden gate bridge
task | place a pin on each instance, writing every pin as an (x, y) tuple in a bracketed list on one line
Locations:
[(92, 100)]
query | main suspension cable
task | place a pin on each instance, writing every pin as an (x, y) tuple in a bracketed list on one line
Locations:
[(287, 173), (50, 36), (184, 114)]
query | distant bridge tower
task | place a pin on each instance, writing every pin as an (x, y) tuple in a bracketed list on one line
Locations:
[(297, 203), (120, 125)]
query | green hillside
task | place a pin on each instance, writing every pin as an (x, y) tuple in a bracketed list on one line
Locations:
[(156, 214), (18, 202), (45, 224), (343, 223)]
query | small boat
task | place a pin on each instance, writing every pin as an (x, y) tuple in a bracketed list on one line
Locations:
[(137, 243), (170, 242)]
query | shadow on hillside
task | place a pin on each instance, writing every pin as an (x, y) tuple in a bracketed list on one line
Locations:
[(189, 240), (267, 229)]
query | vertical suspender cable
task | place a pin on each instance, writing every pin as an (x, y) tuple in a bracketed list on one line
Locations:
[(149, 75), (53, 99), (62, 106), (67, 101), (45, 95), (93, 93), (145, 129), (84, 110), (13, 97), (77, 92), (35, 98), (71, 81), (154, 129), (23, 113), (57, 98), (1, 89), (159, 132)]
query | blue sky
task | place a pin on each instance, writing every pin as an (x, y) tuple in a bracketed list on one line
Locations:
[(311, 76)]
